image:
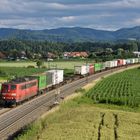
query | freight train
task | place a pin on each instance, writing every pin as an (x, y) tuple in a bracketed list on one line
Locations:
[(21, 89)]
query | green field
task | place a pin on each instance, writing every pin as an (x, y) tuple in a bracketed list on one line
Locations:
[(121, 89), (79, 120), (11, 72), (60, 64)]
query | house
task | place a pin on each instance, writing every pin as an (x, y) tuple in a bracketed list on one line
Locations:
[(75, 54), (51, 55), (2, 55)]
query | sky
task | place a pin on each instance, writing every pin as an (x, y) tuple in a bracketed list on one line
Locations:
[(48, 14)]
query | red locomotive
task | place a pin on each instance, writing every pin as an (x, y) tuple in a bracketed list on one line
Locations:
[(19, 90)]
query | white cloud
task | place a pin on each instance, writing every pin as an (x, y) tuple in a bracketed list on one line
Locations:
[(67, 19), (39, 14)]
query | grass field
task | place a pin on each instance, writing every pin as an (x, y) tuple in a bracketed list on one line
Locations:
[(121, 89), (60, 64), (11, 72), (82, 119)]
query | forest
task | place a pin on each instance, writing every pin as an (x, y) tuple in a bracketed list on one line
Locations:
[(14, 48)]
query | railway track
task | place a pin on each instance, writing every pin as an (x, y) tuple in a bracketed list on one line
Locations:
[(15, 119), (4, 110)]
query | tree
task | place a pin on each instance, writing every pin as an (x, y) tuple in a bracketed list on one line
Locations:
[(39, 63)]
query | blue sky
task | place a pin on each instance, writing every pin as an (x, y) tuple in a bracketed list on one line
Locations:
[(47, 14)]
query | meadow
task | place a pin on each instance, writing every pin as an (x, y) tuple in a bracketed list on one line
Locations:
[(121, 89), (60, 64), (11, 72)]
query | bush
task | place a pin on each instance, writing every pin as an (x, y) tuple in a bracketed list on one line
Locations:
[(31, 66)]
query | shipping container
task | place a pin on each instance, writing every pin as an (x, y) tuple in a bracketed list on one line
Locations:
[(119, 62), (97, 67), (139, 59), (49, 80), (41, 80), (132, 60), (91, 69), (81, 70), (136, 60), (115, 63), (128, 61), (124, 61), (109, 64), (103, 66), (57, 76)]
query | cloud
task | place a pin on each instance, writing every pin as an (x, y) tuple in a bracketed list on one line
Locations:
[(42, 14)]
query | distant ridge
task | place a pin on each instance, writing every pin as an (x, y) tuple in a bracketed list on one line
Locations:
[(74, 34)]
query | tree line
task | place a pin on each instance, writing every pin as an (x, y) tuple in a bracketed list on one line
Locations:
[(15, 47)]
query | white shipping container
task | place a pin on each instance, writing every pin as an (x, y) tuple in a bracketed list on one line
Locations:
[(57, 76), (133, 60), (115, 63), (124, 61), (82, 70), (136, 60), (128, 61), (109, 64)]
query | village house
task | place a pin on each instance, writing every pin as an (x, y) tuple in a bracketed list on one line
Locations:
[(2, 55), (75, 54)]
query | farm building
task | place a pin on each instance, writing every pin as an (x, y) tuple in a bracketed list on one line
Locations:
[(75, 54)]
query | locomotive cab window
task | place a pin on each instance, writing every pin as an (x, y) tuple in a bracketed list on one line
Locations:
[(23, 87), (13, 87), (5, 88)]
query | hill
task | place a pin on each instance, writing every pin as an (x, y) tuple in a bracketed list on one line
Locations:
[(74, 34)]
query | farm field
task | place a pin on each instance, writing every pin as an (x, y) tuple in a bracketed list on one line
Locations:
[(121, 89), (10, 72), (60, 64), (75, 121)]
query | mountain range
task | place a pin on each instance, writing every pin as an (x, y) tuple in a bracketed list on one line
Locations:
[(74, 34)]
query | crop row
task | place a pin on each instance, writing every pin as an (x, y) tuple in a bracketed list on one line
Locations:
[(121, 89)]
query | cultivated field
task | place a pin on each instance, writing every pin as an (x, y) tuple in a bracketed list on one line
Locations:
[(85, 122), (60, 64), (121, 89)]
